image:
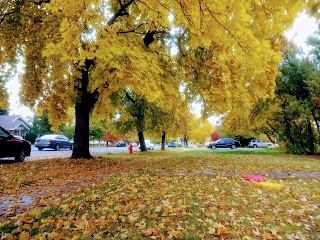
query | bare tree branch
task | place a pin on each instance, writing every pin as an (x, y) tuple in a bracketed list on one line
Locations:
[(41, 1), (121, 12), (134, 30), (130, 98)]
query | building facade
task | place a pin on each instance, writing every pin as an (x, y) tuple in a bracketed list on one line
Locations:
[(15, 124)]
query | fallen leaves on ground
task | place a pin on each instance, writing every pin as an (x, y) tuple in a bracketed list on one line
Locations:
[(172, 195)]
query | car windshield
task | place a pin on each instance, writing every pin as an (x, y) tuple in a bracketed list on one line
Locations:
[(3, 133)]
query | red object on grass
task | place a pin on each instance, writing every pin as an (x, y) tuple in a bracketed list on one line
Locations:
[(130, 148), (254, 178)]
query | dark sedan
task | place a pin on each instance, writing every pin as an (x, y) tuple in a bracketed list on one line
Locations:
[(121, 144), (11, 146), (54, 141), (224, 143)]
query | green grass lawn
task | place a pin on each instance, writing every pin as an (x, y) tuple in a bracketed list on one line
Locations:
[(176, 194)]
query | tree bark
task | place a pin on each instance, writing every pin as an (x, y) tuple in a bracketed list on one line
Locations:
[(288, 130), (84, 104), (310, 138), (276, 131), (163, 140), (81, 134), (143, 147), (316, 121)]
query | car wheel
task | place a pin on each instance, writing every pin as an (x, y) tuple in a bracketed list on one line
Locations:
[(20, 157), (213, 147), (40, 149), (57, 147), (71, 147), (254, 146), (233, 146)]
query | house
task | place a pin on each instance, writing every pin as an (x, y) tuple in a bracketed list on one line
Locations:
[(15, 124)]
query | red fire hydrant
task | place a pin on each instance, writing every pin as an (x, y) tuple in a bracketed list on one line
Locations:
[(130, 148)]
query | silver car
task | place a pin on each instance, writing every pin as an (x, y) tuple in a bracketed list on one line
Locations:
[(54, 141), (259, 144)]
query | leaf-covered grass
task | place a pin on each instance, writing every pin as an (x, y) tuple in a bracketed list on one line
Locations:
[(178, 194), (250, 151)]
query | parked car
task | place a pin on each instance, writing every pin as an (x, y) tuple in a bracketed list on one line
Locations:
[(120, 144), (19, 137), (54, 141), (172, 144), (224, 143), (149, 145), (255, 143), (134, 144), (11, 146)]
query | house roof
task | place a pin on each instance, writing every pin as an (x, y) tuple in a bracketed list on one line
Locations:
[(12, 122)]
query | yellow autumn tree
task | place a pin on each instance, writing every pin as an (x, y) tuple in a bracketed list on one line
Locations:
[(202, 131), (77, 53)]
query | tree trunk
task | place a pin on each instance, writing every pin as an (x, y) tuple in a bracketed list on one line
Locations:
[(84, 104), (81, 133), (310, 138), (276, 131), (163, 140), (185, 140), (143, 147), (316, 121), (288, 130)]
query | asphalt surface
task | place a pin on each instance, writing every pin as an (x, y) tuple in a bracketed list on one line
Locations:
[(65, 153), (95, 151)]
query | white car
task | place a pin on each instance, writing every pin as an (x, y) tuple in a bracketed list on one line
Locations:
[(259, 144), (149, 145)]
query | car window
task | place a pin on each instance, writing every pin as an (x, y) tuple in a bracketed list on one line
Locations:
[(48, 136), (3, 134)]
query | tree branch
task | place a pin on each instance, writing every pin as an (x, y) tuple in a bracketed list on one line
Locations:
[(121, 12), (41, 1), (130, 98), (228, 31), (133, 30), (4, 16)]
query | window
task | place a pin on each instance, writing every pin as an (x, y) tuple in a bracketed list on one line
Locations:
[(3, 134)]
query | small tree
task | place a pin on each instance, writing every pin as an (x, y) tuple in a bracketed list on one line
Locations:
[(41, 124), (201, 133)]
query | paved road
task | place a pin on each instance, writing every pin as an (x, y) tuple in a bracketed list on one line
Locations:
[(64, 153)]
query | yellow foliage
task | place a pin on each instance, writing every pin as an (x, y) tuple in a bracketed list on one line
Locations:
[(243, 40), (271, 185), (201, 131)]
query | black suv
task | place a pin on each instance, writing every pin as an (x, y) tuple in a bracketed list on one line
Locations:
[(11, 146), (224, 143)]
